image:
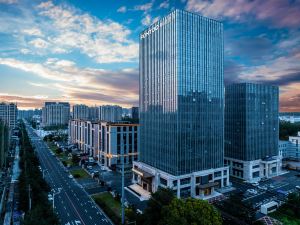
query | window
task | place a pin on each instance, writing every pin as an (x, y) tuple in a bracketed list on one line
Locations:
[(119, 129), (217, 174), (163, 181), (185, 181)]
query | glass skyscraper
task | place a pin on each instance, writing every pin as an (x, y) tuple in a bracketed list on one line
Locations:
[(251, 131), (251, 121), (182, 94)]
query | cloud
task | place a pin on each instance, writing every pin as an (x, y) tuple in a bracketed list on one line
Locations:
[(122, 9), (33, 32), (76, 84), (278, 13), (145, 7), (8, 1), (39, 43), (164, 5), (146, 21), (59, 29)]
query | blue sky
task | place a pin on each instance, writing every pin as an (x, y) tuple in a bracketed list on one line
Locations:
[(86, 51)]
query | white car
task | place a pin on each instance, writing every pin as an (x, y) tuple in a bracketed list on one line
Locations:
[(255, 184), (252, 191), (70, 176)]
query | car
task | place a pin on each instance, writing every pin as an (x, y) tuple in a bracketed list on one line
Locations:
[(255, 184), (298, 187), (70, 176), (252, 191)]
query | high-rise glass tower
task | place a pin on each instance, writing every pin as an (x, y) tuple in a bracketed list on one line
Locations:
[(251, 129), (182, 94)]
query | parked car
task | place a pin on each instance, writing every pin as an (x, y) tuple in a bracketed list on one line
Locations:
[(70, 176), (252, 191)]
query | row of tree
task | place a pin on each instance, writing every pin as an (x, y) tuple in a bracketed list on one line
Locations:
[(164, 208), (287, 129), (33, 189)]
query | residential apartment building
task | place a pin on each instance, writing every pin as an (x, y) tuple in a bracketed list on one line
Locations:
[(106, 141), (55, 113), (110, 113), (181, 107), (80, 112), (4, 142), (9, 113), (135, 113), (29, 114), (251, 131), (94, 113)]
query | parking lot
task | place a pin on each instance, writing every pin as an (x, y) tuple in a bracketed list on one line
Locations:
[(276, 188)]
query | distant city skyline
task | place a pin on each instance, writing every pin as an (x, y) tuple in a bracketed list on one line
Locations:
[(86, 52)]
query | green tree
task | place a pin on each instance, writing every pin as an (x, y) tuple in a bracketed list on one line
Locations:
[(190, 212), (159, 199)]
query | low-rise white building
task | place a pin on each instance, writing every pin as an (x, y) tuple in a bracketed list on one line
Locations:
[(200, 184), (290, 149), (254, 170)]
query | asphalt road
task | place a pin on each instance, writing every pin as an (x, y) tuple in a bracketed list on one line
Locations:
[(73, 205)]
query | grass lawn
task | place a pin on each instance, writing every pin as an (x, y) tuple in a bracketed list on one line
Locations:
[(80, 172), (110, 204)]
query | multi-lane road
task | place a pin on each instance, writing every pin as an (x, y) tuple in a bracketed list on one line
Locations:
[(72, 203)]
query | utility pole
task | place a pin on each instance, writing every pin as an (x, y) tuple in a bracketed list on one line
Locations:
[(122, 200), (29, 190)]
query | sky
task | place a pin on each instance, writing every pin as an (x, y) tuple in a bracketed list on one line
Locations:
[(86, 51)]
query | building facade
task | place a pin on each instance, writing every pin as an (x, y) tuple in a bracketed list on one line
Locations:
[(94, 113), (106, 141), (110, 113), (4, 142), (135, 113), (9, 113), (55, 113), (251, 131), (80, 112), (181, 106), (290, 150)]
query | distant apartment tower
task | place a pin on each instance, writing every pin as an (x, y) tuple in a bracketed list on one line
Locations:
[(29, 114), (135, 113), (251, 131), (9, 113), (106, 141), (182, 107), (110, 113), (80, 112), (94, 113), (55, 113), (4, 142)]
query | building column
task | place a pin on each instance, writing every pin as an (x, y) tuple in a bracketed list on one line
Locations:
[(193, 186), (178, 188)]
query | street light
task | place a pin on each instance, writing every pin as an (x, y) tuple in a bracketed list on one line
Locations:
[(53, 195), (122, 197), (44, 173)]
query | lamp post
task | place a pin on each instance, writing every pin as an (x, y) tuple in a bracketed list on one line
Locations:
[(44, 173), (53, 195), (122, 187)]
